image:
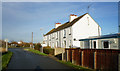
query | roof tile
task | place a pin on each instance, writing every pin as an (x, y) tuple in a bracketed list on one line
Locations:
[(65, 25)]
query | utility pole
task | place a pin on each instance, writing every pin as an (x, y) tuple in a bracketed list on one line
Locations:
[(41, 49), (6, 40), (119, 27), (32, 39), (31, 45)]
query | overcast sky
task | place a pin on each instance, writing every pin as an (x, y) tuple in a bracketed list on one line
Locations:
[(20, 19)]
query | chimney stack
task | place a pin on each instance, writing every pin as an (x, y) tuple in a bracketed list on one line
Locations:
[(72, 17), (57, 25)]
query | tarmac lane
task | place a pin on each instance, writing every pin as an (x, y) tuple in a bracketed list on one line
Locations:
[(27, 60)]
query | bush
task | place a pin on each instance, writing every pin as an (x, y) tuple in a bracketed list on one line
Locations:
[(37, 46), (48, 50)]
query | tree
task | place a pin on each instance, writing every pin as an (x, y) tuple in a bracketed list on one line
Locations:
[(37, 46)]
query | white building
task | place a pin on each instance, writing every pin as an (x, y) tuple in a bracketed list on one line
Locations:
[(110, 41), (68, 34)]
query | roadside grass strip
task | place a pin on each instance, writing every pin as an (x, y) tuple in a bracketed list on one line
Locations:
[(75, 66), (5, 59), (36, 51)]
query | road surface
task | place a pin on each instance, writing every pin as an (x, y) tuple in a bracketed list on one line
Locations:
[(27, 60)]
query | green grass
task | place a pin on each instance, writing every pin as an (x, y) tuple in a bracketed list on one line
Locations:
[(5, 59), (75, 66), (37, 52)]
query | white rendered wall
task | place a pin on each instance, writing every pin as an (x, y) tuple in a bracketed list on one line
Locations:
[(113, 43), (68, 38), (85, 28)]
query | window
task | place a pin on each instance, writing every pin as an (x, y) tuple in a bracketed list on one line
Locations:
[(106, 44), (57, 44), (64, 33), (53, 45), (49, 36), (69, 31), (53, 35), (57, 35), (70, 43), (65, 44)]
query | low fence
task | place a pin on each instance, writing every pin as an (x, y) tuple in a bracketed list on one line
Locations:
[(99, 59)]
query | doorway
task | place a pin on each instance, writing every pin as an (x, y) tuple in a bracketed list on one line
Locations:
[(94, 44)]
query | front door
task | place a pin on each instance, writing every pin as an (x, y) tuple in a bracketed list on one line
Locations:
[(94, 44)]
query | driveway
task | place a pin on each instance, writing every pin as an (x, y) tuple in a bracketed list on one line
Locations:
[(27, 60)]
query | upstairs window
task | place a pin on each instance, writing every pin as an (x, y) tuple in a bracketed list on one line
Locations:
[(69, 31), (57, 35), (53, 34), (64, 33), (49, 36)]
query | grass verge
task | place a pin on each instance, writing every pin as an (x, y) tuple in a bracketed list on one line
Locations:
[(5, 59), (36, 51), (75, 66)]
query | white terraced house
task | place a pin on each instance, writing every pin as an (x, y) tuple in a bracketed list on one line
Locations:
[(67, 35)]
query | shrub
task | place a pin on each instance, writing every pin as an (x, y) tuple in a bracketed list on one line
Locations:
[(37, 46), (48, 50)]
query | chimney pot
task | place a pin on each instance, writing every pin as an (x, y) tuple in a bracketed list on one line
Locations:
[(57, 25), (72, 17)]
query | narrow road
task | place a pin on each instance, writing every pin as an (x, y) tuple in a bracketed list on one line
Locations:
[(26, 60)]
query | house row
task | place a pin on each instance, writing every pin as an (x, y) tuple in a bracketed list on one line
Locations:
[(67, 35)]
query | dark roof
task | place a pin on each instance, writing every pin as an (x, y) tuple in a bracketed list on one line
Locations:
[(117, 35), (50, 31), (65, 25)]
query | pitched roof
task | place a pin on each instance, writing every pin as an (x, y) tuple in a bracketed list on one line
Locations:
[(65, 25), (50, 31)]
